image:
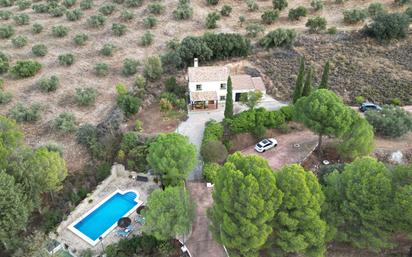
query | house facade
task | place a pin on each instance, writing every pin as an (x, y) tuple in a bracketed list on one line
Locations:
[(208, 85)]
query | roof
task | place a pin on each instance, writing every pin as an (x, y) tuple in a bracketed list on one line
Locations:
[(208, 73), (203, 95), (246, 82)]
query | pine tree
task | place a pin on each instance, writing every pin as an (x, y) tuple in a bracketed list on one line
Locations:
[(299, 81), (325, 76), (229, 100), (307, 87)]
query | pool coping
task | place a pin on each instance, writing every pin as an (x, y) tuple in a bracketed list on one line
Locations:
[(110, 229)]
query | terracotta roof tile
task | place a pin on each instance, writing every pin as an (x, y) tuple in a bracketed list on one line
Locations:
[(208, 73)]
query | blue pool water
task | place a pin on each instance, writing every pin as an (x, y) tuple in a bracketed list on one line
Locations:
[(107, 214)]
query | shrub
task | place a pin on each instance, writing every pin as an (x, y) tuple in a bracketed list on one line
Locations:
[(156, 8), (36, 28), (39, 50), (354, 16), (48, 84), (40, 8), (150, 21), (295, 14), (278, 38), (25, 68), (226, 10), (316, 24), (85, 96), (65, 122), (127, 15), (183, 11), (101, 69), (6, 31), (1, 83), (280, 4), (211, 20), (388, 26), (107, 49), (119, 29), (140, 82), (402, 2), (74, 15), (5, 97), (6, 3), (69, 3), (86, 135), (165, 105), (153, 68), (359, 99), (396, 101), (253, 29), (146, 39), (21, 19), (56, 11), (130, 66), (4, 64), (270, 16), (66, 59), (252, 5), (128, 103), (213, 132), (23, 4), (408, 12), (5, 15), (287, 112), (96, 21), (80, 39), (23, 113), (375, 8), (133, 3), (391, 121), (107, 9), (317, 5), (86, 4), (19, 41), (214, 151), (60, 31), (212, 2), (332, 30)]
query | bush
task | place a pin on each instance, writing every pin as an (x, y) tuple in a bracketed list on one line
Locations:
[(19, 41), (23, 4), (66, 59), (270, 16), (212, 2), (214, 151), (280, 4), (388, 26), (39, 50), (22, 113), (107, 49), (48, 84), (85, 96), (36, 28), (150, 21), (375, 8), (317, 5), (156, 8), (287, 112), (86, 4), (253, 29), (74, 15), (153, 69), (354, 16), (69, 3), (6, 3), (21, 19), (295, 14), (128, 103), (80, 39), (140, 82), (210, 172), (359, 99), (396, 101), (5, 97), (107, 9), (391, 121), (65, 122), (211, 20), (226, 10), (183, 11), (252, 5), (86, 135), (4, 64), (126, 15), (40, 8), (213, 132), (130, 66), (332, 30), (408, 12), (6, 31), (146, 39), (5, 15), (133, 3), (96, 21), (402, 2), (60, 31), (119, 29), (56, 11), (25, 68), (316, 24), (101, 69), (278, 38)]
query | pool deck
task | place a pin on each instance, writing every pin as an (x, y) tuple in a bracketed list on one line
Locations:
[(118, 180)]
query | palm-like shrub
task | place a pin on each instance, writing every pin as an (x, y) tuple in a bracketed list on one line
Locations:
[(6, 3), (25, 113), (183, 11), (278, 38), (74, 15), (6, 31), (270, 16), (36, 28), (107, 9), (252, 5), (253, 29), (4, 63), (107, 49), (60, 31), (101, 69), (317, 5), (80, 39), (65, 122), (86, 4), (130, 66), (5, 14), (156, 8), (354, 16), (280, 4), (153, 69), (146, 39), (316, 24), (19, 41), (119, 29), (133, 3), (23, 4), (25, 68), (85, 96), (5, 97), (226, 10), (150, 21), (211, 20), (127, 15), (40, 8), (39, 50), (375, 8), (56, 10), (69, 3), (48, 84), (66, 59), (296, 13), (96, 21), (21, 19)]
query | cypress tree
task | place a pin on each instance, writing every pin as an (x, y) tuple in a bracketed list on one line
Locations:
[(299, 81), (229, 100), (325, 76), (307, 88)]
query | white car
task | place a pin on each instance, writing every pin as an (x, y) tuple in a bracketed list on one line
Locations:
[(265, 144)]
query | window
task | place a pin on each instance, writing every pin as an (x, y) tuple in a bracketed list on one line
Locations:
[(223, 86), (222, 98), (198, 87)]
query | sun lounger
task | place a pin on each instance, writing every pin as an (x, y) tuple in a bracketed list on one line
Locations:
[(139, 219), (122, 233)]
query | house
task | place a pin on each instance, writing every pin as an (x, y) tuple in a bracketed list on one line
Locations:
[(208, 85)]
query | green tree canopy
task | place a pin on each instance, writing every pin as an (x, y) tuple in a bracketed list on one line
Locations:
[(245, 201), (229, 99), (169, 213), (172, 156), (298, 227), (251, 99), (325, 76), (391, 121), (307, 87), (297, 93), (402, 183), (10, 139)]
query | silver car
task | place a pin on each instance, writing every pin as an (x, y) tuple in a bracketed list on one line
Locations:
[(265, 144)]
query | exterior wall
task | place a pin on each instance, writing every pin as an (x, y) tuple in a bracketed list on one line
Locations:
[(209, 86)]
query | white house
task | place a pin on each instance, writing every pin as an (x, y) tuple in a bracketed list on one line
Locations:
[(208, 85)]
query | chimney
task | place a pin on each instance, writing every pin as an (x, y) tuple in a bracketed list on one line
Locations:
[(195, 63)]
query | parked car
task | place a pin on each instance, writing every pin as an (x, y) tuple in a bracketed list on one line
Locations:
[(266, 144), (369, 106)]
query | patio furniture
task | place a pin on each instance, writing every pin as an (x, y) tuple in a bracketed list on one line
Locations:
[(129, 229), (139, 219), (122, 233), (124, 222), (142, 178)]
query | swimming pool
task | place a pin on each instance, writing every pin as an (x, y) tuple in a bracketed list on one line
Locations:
[(101, 219)]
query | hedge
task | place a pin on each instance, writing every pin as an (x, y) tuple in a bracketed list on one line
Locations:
[(213, 131)]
